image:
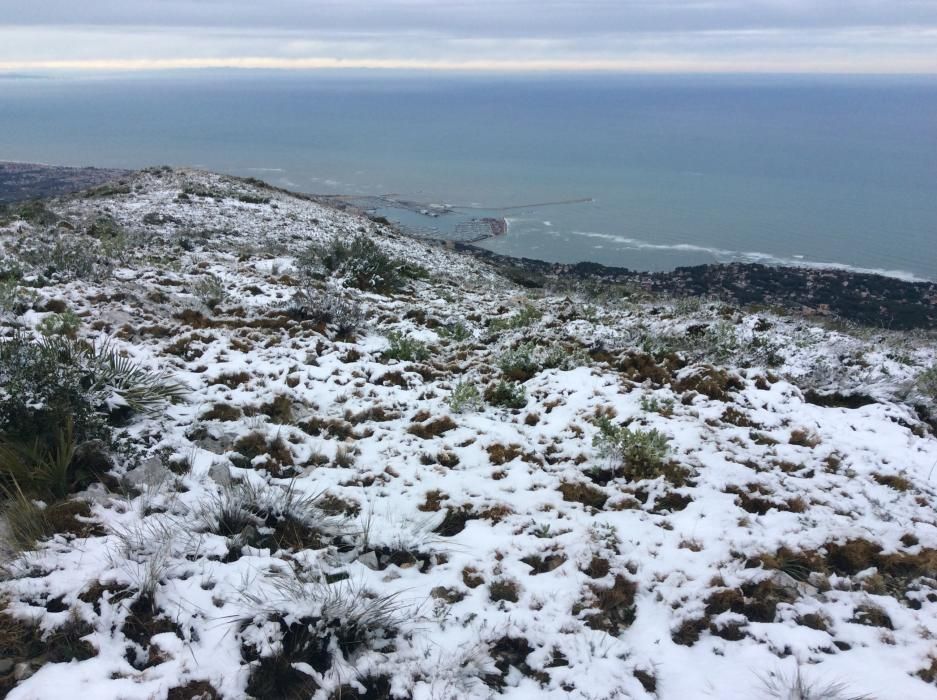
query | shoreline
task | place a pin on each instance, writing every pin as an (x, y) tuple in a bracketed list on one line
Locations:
[(865, 298)]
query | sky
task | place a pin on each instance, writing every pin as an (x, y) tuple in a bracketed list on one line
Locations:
[(780, 36)]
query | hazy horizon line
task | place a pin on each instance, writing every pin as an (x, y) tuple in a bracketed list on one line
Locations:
[(565, 66)]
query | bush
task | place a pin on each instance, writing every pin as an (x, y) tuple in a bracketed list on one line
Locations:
[(313, 623), (65, 324), (519, 364), (328, 308), (523, 318), (37, 470), (455, 331), (360, 261), (407, 349), (465, 397), (52, 381), (68, 257), (210, 291), (14, 298), (639, 453), (558, 357), (506, 395), (927, 382), (35, 212)]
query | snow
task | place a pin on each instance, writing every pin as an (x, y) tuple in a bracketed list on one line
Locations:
[(676, 557)]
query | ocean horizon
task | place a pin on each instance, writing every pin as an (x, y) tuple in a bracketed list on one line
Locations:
[(638, 171)]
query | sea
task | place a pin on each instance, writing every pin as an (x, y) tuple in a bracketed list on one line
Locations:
[(649, 172)]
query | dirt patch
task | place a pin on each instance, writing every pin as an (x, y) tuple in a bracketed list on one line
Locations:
[(432, 428), (586, 494), (612, 608), (708, 380)]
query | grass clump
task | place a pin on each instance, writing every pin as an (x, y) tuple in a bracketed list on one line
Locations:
[(328, 627), (640, 454), (404, 348)]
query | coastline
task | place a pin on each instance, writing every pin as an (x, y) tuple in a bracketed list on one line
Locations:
[(864, 298), (869, 299)]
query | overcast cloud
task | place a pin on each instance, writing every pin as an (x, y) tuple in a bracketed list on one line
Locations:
[(720, 35)]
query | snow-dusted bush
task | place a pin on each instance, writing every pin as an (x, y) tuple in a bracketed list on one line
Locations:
[(641, 452), (360, 261), (210, 291), (49, 382), (519, 363), (304, 627), (507, 395), (796, 686), (927, 382), (526, 316), (465, 397), (66, 258), (404, 348), (66, 323), (328, 308)]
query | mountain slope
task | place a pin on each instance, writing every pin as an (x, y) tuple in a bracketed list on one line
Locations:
[(394, 473)]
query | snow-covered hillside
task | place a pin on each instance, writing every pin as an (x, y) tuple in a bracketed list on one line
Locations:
[(422, 481)]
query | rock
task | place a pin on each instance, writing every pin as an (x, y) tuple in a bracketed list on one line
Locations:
[(369, 559), (151, 473), (792, 585), (220, 473)]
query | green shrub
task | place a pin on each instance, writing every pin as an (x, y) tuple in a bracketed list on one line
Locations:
[(328, 308), (66, 323), (15, 298), (404, 348), (37, 469), (10, 270), (523, 318), (640, 454), (210, 291), (559, 357), (35, 212), (465, 397), (506, 395), (651, 404), (519, 364), (54, 381), (67, 257), (455, 331), (927, 382), (360, 261)]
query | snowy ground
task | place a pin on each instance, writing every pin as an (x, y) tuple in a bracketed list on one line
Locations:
[(490, 552)]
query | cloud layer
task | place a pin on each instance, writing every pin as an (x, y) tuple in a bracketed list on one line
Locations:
[(682, 35)]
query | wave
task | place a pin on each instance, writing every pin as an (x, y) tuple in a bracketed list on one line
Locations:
[(723, 255)]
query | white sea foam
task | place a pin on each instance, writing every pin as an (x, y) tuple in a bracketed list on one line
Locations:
[(723, 255)]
